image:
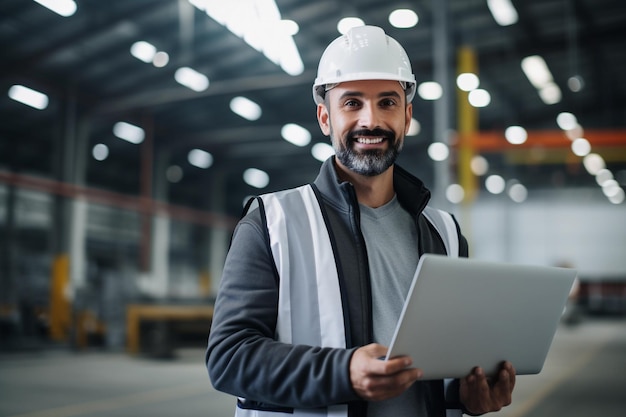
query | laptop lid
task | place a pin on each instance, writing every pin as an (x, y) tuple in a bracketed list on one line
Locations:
[(461, 313)]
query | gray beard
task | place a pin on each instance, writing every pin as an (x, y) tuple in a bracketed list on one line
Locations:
[(368, 163)]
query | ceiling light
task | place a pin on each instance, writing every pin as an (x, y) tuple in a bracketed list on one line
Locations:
[(64, 8), (518, 193), (430, 90), (455, 193), (28, 96), (610, 188), (258, 24), (503, 12), (603, 176), (146, 52), (540, 77), (467, 81), (515, 135), (479, 165), (618, 198), (199, 158), (143, 51), (414, 128), (566, 121), (403, 18), (575, 132), (479, 98), (192, 79), (438, 151), (256, 178), (536, 71), (581, 147), (295, 134), (100, 152), (130, 133), (575, 83), (550, 93), (245, 108), (594, 163), (322, 151), (348, 23), (174, 174), (288, 27), (160, 59), (495, 184)]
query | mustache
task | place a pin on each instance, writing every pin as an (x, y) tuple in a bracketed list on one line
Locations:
[(378, 132)]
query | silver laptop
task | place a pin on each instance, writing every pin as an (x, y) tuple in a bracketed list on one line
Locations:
[(461, 313)]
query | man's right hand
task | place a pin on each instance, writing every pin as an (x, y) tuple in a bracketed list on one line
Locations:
[(375, 379)]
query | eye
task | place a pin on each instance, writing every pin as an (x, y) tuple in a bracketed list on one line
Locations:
[(387, 102), (351, 103)]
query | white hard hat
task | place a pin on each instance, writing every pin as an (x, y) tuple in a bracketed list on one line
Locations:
[(364, 53)]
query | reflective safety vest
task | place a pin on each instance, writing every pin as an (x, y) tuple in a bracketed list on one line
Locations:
[(301, 247)]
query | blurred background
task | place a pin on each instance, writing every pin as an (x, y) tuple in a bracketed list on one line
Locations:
[(132, 132)]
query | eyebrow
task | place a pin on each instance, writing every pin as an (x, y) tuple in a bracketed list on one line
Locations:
[(391, 93)]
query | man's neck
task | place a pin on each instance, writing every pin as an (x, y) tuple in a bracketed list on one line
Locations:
[(373, 191)]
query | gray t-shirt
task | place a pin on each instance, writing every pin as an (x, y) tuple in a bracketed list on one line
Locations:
[(392, 248)]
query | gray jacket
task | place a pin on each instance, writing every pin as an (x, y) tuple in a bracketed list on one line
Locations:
[(244, 359)]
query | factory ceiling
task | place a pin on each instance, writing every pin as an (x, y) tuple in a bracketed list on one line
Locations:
[(83, 64)]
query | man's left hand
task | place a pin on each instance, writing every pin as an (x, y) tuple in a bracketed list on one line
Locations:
[(480, 394)]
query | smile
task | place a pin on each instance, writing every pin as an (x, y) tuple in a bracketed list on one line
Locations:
[(368, 141)]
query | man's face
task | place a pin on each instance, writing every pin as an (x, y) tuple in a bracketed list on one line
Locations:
[(367, 121)]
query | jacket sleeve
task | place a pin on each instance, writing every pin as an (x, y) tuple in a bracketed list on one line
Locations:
[(244, 359)]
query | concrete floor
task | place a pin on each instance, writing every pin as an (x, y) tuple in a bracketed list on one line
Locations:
[(584, 375)]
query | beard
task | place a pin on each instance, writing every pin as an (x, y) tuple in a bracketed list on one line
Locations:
[(369, 162)]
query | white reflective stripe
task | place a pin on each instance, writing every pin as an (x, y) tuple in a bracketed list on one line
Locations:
[(453, 238), (240, 412), (332, 411), (449, 233), (302, 249), (451, 241), (277, 227), (294, 261), (328, 292), (450, 412)]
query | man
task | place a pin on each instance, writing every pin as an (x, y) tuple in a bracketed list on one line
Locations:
[(316, 276)]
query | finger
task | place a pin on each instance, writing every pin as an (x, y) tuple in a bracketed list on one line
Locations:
[(503, 388), (393, 365), (374, 350), (370, 361), (378, 388), (478, 374), (512, 374), (475, 393), (478, 383), (507, 374)]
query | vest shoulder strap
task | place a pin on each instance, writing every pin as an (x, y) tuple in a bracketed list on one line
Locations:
[(446, 227)]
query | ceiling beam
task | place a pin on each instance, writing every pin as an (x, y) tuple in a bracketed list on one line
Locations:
[(153, 98)]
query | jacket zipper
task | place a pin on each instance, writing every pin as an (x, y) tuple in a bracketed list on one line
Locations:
[(366, 289)]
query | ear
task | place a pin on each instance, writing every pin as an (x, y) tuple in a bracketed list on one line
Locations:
[(323, 118), (408, 116)]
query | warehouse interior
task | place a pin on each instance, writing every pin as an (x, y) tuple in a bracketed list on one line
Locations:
[(151, 122)]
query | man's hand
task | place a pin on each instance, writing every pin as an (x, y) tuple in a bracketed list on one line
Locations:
[(374, 379), (480, 394)]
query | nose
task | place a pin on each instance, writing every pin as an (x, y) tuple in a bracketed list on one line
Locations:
[(369, 117)]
